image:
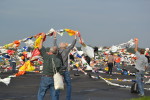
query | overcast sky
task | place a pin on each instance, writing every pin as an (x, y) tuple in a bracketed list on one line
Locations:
[(100, 22)]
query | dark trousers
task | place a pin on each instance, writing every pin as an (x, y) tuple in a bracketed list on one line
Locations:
[(110, 66), (13, 64)]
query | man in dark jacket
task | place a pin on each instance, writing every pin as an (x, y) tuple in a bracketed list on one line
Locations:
[(47, 81)]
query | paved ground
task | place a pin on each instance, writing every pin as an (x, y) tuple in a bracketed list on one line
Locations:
[(84, 88)]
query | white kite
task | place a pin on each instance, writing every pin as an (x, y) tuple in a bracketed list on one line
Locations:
[(88, 50), (5, 80)]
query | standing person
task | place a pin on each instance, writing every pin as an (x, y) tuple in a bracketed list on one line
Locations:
[(63, 53), (13, 62), (123, 61), (147, 55), (141, 65), (111, 60), (117, 62), (47, 81)]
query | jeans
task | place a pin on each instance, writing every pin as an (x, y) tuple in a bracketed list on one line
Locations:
[(67, 80), (140, 81), (47, 83)]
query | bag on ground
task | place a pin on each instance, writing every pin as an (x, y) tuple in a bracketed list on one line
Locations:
[(134, 88)]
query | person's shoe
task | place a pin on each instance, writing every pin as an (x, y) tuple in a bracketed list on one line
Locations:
[(141, 95)]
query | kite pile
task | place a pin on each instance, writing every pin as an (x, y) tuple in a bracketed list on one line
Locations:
[(30, 53)]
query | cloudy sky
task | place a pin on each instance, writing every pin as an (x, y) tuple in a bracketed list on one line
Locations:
[(100, 22)]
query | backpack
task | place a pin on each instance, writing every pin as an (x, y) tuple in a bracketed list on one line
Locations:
[(134, 88)]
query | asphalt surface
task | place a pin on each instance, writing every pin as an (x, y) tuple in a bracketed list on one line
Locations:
[(25, 87)]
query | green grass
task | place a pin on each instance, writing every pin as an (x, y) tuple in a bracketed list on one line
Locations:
[(142, 98)]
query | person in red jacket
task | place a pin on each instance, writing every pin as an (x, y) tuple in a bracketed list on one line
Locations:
[(117, 62)]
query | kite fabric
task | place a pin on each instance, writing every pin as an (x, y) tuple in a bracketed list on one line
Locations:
[(88, 67), (114, 84), (60, 32), (29, 43), (50, 32), (20, 73), (16, 43), (114, 49), (10, 52), (35, 54), (3, 50), (71, 32), (26, 67), (26, 39), (88, 50), (128, 44), (5, 80), (10, 45), (37, 42)]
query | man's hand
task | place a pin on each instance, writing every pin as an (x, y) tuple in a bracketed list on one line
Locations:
[(136, 44), (40, 34), (75, 36), (43, 39), (82, 43), (136, 40)]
